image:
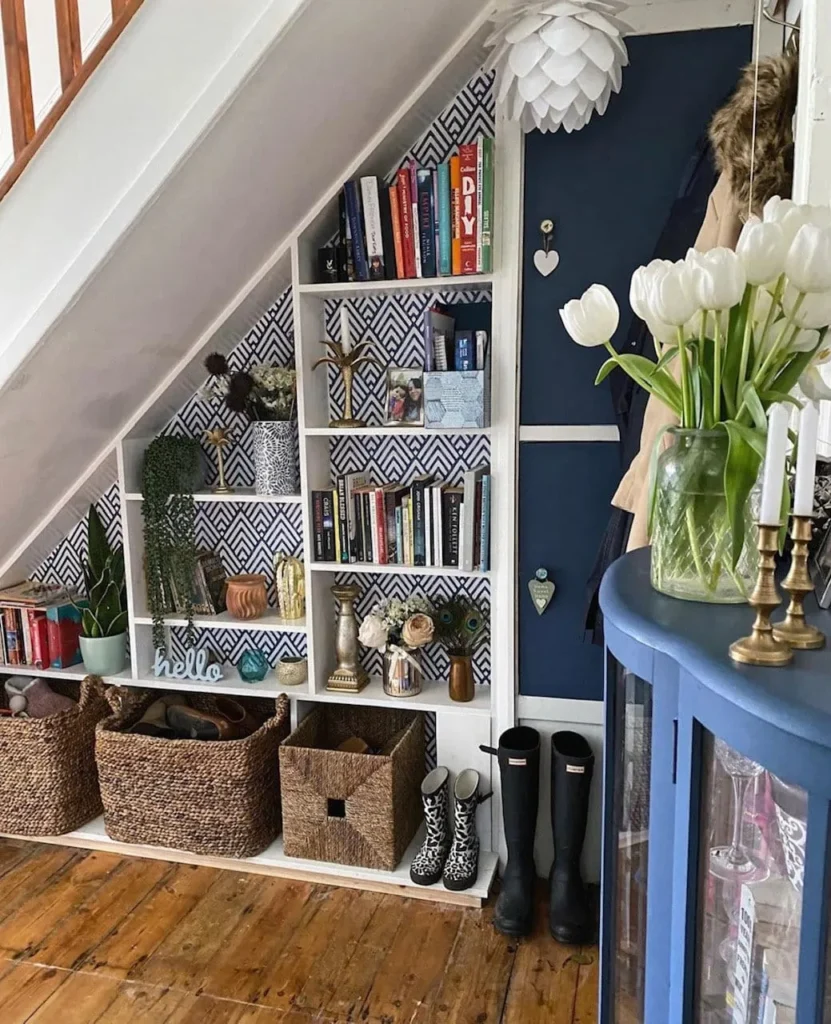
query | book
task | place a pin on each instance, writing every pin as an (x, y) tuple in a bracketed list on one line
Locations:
[(398, 242), (26, 636), (393, 496), (481, 349), (407, 222), (468, 156), (438, 490), (487, 205), (353, 212), (342, 520), (14, 644), (439, 327), (336, 523), (351, 482), (426, 225), (346, 266), (464, 351), (471, 480), (445, 221), (372, 226), (419, 519), (406, 524), (380, 526), (387, 233), (317, 526), (370, 554), (477, 526), (328, 516), (485, 525), (455, 215), (479, 176), (32, 594), (451, 522), (435, 208), (399, 535), (63, 631), (413, 172)]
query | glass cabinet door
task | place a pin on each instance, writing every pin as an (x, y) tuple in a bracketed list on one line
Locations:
[(751, 867), (630, 831)]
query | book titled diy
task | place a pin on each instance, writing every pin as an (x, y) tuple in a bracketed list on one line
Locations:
[(468, 213)]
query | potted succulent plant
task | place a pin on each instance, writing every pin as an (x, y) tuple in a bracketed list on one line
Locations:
[(104, 620), (461, 628), (266, 396)]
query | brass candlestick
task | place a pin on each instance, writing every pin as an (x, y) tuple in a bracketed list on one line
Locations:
[(349, 676), (761, 647), (218, 437), (794, 630), (346, 362)]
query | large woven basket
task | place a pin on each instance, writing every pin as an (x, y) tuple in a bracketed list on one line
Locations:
[(360, 809), (217, 798), (48, 781)]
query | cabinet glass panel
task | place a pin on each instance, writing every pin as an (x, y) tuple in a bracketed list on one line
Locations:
[(634, 755), (751, 865)]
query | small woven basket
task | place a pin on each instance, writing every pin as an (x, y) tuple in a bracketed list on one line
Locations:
[(360, 809), (217, 798), (48, 781)]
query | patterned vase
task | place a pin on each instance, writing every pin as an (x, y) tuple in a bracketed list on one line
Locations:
[(246, 597), (275, 456)]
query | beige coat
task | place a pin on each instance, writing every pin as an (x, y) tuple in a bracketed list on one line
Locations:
[(721, 227)]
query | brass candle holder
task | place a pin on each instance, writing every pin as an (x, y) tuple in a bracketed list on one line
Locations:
[(218, 437), (349, 675), (347, 363), (794, 630), (761, 647)]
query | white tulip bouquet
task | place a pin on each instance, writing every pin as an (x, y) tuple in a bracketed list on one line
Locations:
[(734, 332)]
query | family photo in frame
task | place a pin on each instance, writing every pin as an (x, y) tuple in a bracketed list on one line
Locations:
[(405, 396)]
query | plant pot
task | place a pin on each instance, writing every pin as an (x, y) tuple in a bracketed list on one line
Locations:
[(104, 656), (275, 456), (402, 672), (461, 678), (691, 537), (292, 671), (246, 596)]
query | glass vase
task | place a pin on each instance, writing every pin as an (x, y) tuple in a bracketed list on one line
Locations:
[(402, 671), (691, 534)]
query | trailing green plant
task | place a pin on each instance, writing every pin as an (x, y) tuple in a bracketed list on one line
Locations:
[(106, 614), (461, 625), (171, 470)]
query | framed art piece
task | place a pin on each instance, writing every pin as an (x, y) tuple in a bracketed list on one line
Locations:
[(405, 396)]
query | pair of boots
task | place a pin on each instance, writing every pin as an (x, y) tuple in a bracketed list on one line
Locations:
[(457, 861), (571, 918)]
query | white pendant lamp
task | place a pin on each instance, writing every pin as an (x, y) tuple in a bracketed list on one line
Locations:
[(557, 63)]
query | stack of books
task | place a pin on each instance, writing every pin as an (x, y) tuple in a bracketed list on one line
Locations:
[(445, 348), (39, 626), (426, 223), (426, 523)]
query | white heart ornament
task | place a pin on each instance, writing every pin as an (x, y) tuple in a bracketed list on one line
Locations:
[(546, 262)]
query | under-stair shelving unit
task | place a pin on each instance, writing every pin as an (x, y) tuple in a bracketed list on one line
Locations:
[(456, 731)]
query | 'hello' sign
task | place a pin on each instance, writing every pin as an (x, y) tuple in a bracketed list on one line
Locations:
[(194, 667)]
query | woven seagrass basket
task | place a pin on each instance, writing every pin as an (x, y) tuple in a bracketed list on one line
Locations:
[(48, 781), (217, 798), (361, 809)]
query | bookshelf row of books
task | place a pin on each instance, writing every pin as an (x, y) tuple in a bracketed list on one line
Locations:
[(39, 626), (428, 222), (427, 523), (445, 348)]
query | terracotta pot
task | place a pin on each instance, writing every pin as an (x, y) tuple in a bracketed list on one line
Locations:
[(247, 597), (461, 678)]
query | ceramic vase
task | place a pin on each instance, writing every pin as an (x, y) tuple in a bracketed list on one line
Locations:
[(461, 678), (402, 671), (104, 656), (246, 597), (275, 456)]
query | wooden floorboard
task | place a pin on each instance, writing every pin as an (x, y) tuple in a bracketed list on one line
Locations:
[(94, 938)]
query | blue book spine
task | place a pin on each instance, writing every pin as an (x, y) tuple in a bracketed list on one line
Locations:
[(426, 224), (356, 230), (464, 351), (445, 243), (399, 535), (485, 539)]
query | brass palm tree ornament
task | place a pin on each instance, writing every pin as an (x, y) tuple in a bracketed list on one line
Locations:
[(347, 359), (218, 437)]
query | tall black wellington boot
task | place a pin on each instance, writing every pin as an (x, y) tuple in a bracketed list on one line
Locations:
[(570, 916), (519, 769)]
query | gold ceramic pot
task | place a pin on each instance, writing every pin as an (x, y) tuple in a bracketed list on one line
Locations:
[(247, 597), (461, 678)]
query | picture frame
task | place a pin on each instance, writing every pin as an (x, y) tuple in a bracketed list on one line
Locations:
[(404, 400)]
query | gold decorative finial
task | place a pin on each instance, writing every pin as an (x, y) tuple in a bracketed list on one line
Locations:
[(218, 437), (347, 362)]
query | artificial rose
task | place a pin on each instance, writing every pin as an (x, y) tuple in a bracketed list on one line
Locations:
[(592, 319), (762, 250), (808, 263), (417, 630), (718, 279), (673, 299), (373, 633), (812, 312)]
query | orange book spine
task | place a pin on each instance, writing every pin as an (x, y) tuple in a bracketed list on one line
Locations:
[(395, 213), (456, 213)]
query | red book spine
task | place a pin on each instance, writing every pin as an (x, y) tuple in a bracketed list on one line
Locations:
[(405, 205), (395, 213), (380, 527), (468, 158), (40, 639)]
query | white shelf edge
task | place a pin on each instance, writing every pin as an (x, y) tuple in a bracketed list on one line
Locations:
[(232, 685), (343, 289), (73, 673), (373, 694), (274, 861), (367, 568), (244, 495), (397, 432), (267, 624)]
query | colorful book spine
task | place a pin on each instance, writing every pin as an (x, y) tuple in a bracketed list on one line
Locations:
[(372, 225), (395, 212), (343, 520), (485, 543), (435, 208), (455, 215), (413, 172), (487, 205), (408, 532), (370, 554), (426, 227), (407, 222), (399, 535), (353, 212), (40, 639), (381, 526), (479, 183), (25, 632), (317, 525), (336, 523), (63, 633), (445, 221), (14, 646), (464, 351), (328, 506), (468, 156)]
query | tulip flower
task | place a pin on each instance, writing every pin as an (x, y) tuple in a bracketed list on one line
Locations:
[(808, 263), (813, 386), (665, 334), (762, 250), (718, 279), (786, 214), (807, 311), (673, 300), (805, 341), (592, 319), (640, 291), (818, 215)]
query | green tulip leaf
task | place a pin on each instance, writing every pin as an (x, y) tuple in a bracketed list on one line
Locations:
[(741, 469), (754, 405), (605, 370)]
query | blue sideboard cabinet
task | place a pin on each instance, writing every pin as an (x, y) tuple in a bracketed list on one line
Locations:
[(717, 782)]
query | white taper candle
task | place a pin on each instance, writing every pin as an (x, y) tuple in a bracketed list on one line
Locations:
[(774, 471), (345, 337), (806, 460)]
